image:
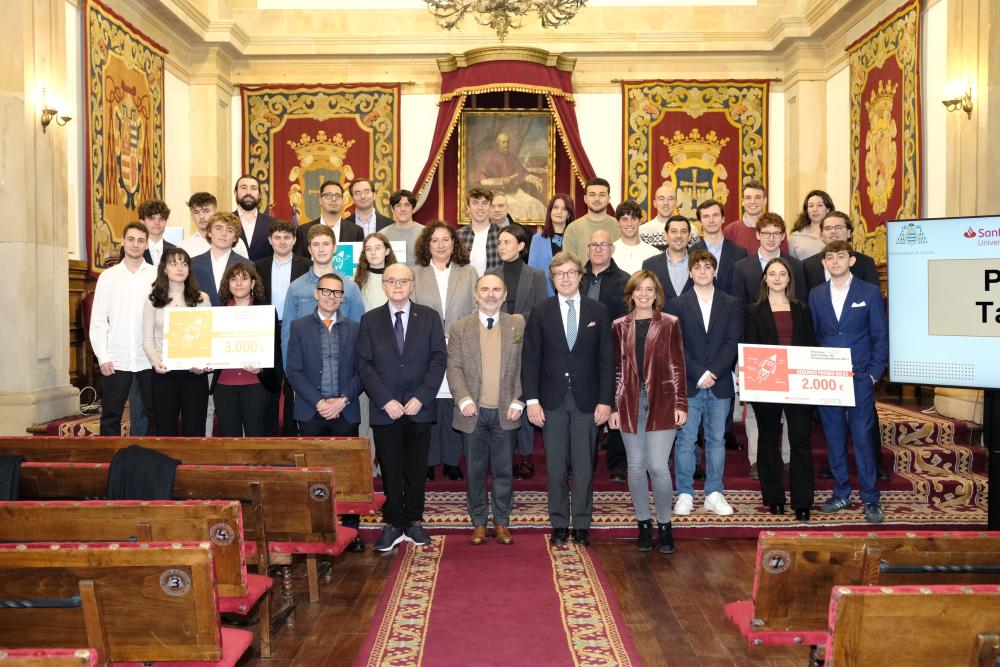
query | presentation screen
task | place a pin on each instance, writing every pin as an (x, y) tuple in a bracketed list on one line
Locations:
[(944, 301)]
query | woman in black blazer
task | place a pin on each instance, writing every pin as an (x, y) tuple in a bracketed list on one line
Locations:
[(778, 318)]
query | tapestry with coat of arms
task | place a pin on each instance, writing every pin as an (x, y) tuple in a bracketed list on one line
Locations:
[(885, 127), (295, 138), (124, 84), (707, 138)]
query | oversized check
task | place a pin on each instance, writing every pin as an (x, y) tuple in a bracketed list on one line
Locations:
[(222, 337), (793, 374)]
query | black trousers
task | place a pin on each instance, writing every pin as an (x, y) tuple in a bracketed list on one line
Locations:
[(180, 394), (241, 409), (318, 426), (614, 448), (401, 448), (114, 392), (800, 465)]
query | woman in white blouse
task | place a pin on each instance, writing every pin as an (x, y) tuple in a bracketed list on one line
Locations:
[(446, 282), (805, 241)]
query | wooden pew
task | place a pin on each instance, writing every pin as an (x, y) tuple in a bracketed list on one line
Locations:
[(53, 657), (129, 601), (796, 570), (942, 626)]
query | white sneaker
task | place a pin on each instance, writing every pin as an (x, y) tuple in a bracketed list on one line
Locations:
[(684, 504), (716, 502)]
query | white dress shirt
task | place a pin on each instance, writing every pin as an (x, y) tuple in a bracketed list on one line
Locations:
[(249, 221), (155, 250), (477, 255), (564, 311), (629, 258), (196, 244), (706, 315), (219, 268), (116, 319), (839, 296)]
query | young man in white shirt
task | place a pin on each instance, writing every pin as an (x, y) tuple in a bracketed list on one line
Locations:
[(202, 206), (154, 214), (481, 235), (630, 251), (208, 267), (116, 329)]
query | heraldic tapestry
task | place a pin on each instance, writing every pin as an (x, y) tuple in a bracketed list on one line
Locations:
[(124, 80), (297, 137), (885, 127), (705, 137)]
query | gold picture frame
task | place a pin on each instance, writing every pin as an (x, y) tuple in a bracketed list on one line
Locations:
[(513, 152)]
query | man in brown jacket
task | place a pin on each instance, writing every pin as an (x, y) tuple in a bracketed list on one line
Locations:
[(484, 373)]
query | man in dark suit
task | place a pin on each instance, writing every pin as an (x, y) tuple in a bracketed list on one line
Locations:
[(222, 233), (256, 225), (711, 326), (849, 313), (712, 216), (331, 206), (568, 380), (671, 267), (747, 272), (837, 226), (364, 215), (402, 357), (154, 214), (277, 271)]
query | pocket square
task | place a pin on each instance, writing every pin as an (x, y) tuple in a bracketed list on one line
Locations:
[(592, 324), (859, 305)]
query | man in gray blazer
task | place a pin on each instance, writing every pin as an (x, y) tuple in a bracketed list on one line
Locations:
[(484, 373)]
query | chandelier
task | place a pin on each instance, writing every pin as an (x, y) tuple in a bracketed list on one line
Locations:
[(502, 15)]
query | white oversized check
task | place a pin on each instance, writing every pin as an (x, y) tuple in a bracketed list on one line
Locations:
[(793, 374), (222, 337)]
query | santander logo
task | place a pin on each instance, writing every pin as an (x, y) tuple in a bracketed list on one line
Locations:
[(970, 234)]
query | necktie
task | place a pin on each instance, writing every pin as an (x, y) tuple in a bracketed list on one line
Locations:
[(570, 323), (327, 323), (489, 323), (398, 329)]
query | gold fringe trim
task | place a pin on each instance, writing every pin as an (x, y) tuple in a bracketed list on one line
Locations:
[(505, 87), (444, 145), (565, 141)]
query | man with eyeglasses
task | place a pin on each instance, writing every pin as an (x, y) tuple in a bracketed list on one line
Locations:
[(837, 226), (402, 359), (568, 381), (331, 206), (362, 192), (749, 271)]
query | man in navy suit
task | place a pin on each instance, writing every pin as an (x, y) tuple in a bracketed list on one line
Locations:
[(364, 215), (256, 225), (711, 326), (568, 381), (222, 233), (402, 357), (837, 226), (748, 272), (671, 267), (849, 313), (712, 216)]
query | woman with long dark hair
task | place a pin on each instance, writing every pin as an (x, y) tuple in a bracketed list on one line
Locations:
[(778, 318), (805, 239), (376, 256), (651, 401), (179, 393), (549, 241)]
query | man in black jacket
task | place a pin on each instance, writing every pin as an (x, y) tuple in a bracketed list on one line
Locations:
[(331, 207), (837, 226)]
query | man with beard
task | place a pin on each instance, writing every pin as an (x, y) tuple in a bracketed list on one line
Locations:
[(256, 225), (578, 234)]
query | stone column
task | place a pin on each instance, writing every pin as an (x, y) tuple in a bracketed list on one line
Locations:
[(34, 306), (211, 103), (805, 141)]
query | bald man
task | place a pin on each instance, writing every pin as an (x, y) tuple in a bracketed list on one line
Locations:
[(653, 231)]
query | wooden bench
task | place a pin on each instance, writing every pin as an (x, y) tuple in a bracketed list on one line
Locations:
[(53, 657), (795, 572), (944, 626), (128, 601)]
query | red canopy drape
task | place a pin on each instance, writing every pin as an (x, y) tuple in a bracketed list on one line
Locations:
[(437, 186)]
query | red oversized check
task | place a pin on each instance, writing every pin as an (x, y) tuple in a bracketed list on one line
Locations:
[(794, 374)]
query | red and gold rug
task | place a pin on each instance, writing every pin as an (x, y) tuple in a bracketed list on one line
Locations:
[(452, 603)]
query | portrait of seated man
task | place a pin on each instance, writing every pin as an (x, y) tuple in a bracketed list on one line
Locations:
[(500, 170)]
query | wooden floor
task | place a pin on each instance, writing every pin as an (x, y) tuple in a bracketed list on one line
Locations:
[(672, 606)]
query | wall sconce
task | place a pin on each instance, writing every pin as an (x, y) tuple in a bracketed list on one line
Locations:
[(49, 114), (959, 100)]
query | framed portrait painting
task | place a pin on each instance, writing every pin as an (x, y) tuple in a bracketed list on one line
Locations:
[(509, 152)]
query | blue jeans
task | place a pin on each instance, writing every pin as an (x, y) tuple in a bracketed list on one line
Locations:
[(708, 411)]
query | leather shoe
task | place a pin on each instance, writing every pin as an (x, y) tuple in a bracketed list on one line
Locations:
[(582, 536), (356, 546), (753, 471), (699, 472), (430, 473), (502, 533), (527, 469), (802, 514), (559, 536), (478, 535), (776, 508), (617, 475), (825, 473), (731, 443), (454, 473)]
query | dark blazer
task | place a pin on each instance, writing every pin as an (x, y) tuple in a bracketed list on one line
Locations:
[(349, 233), (864, 268), (532, 289), (380, 221), (658, 265), (258, 246), (149, 258), (760, 328), (304, 366), (612, 292), (713, 350), (862, 326), (386, 374), (731, 253), (263, 265), (747, 275), (201, 266), (548, 366)]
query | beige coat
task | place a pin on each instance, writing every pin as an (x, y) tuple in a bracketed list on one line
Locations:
[(465, 367), (460, 298)]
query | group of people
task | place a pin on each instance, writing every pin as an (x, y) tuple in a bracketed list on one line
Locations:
[(472, 338)]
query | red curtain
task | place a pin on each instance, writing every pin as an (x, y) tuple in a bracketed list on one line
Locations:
[(437, 186)]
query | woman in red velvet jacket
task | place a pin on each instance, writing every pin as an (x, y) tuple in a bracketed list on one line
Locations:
[(651, 403)]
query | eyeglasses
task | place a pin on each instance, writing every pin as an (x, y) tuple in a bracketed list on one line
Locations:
[(835, 228), (335, 293), (603, 245), (397, 282), (331, 195), (771, 235), (559, 275)]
